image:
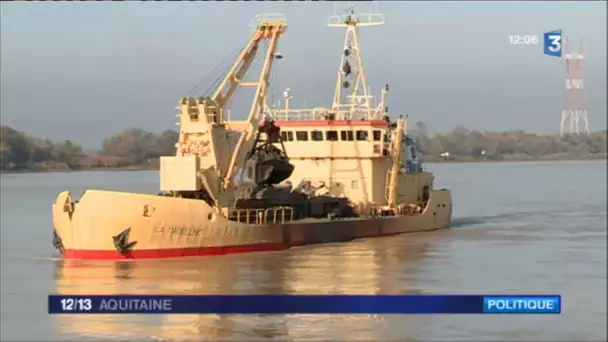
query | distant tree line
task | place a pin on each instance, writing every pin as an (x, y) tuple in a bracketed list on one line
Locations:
[(20, 151), (136, 148), (131, 148), (463, 144)]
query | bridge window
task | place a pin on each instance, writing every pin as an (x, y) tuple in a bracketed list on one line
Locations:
[(287, 136), (362, 135), (316, 136), (377, 135), (346, 135), (302, 135), (331, 135)]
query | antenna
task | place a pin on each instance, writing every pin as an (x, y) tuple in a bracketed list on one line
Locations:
[(287, 97), (351, 83), (574, 114)]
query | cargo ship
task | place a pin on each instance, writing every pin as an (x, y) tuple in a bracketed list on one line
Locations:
[(279, 179)]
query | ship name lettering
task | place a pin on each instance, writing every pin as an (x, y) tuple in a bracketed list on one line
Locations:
[(178, 231), (185, 231)]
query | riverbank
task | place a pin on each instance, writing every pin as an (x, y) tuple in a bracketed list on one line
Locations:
[(120, 168), (455, 160), (83, 169), (519, 158)]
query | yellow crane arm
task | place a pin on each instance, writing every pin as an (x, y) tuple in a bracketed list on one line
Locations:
[(230, 83), (270, 30)]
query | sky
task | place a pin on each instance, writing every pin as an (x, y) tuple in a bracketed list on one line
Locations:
[(85, 71)]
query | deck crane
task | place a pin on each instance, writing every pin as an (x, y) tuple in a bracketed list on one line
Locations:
[(211, 149)]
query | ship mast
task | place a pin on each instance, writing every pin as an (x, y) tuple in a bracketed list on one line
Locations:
[(396, 152), (351, 84)]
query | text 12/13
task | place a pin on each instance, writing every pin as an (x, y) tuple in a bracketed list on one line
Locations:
[(76, 304)]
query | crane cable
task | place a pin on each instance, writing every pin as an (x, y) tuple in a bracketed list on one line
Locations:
[(220, 66), (218, 80)]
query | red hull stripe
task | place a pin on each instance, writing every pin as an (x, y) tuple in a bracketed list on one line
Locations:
[(170, 253), (372, 123), (199, 251)]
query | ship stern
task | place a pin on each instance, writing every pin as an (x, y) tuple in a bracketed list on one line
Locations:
[(441, 207)]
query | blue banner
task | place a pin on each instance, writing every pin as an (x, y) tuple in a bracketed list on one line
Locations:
[(304, 304)]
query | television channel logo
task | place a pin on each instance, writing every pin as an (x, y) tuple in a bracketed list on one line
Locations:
[(553, 43)]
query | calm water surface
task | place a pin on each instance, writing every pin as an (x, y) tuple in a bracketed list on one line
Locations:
[(518, 228)]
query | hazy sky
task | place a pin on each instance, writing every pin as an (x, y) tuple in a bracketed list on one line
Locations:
[(84, 71)]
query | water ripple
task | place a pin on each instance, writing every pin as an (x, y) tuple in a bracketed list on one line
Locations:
[(527, 236)]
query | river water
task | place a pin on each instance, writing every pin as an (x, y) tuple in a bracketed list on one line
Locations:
[(527, 228)]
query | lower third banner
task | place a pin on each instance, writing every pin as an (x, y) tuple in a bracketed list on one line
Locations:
[(304, 304)]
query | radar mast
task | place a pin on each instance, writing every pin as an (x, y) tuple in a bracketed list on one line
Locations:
[(352, 99)]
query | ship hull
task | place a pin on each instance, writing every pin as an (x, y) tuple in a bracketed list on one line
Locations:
[(156, 227)]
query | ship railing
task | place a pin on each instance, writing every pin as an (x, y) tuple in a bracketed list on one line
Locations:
[(357, 112), (268, 18), (262, 216), (361, 19), (300, 114), (279, 214), (247, 216), (316, 114)]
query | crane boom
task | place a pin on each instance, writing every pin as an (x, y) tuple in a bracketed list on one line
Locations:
[(230, 83), (207, 156), (272, 32)]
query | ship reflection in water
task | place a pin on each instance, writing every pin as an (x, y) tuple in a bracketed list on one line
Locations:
[(532, 254), (350, 268)]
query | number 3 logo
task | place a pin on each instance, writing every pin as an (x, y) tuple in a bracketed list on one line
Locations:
[(556, 44)]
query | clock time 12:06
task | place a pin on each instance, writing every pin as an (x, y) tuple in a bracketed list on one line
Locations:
[(523, 39)]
